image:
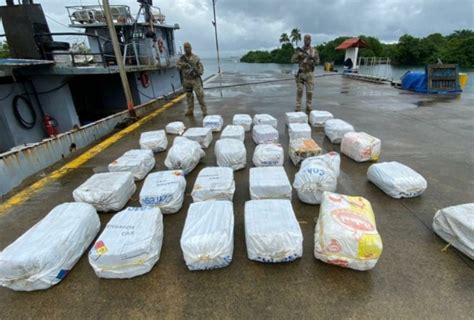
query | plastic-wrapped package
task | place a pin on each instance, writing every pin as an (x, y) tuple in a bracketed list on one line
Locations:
[(272, 233), (303, 148), (264, 118), (130, 244), (165, 190), (155, 141), (175, 127), (214, 183), (331, 159), (268, 155), (397, 180), (269, 183), (264, 133), (203, 136), (361, 146), (317, 118), (456, 226), (214, 122), (185, 155), (44, 255), (299, 130), (233, 132), (316, 175), (137, 162), (335, 129), (108, 191), (346, 234), (208, 235), (231, 153), (243, 120), (296, 117)]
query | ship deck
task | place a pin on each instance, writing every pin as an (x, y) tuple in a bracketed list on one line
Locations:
[(414, 278)]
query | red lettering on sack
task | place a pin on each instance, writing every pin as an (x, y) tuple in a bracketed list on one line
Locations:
[(353, 221), (334, 246), (339, 262)]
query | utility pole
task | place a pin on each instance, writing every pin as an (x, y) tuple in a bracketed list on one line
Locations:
[(118, 57), (217, 42)]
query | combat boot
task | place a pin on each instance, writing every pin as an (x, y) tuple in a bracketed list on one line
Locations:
[(204, 112), (189, 113)]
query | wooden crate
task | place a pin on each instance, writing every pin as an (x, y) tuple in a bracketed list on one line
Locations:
[(443, 77)]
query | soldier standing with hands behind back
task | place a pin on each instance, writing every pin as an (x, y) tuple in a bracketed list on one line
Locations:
[(192, 69), (306, 58)]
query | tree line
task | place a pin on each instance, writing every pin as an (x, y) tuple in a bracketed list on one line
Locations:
[(457, 47)]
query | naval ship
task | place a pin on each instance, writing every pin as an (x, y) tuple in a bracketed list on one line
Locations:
[(58, 96)]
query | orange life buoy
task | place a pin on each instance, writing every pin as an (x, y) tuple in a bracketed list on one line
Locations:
[(145, 79), (161, 45)]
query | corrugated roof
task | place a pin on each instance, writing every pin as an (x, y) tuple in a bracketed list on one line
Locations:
[(352, 43)]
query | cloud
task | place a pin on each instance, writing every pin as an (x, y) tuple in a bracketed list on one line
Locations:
[(257, 24)]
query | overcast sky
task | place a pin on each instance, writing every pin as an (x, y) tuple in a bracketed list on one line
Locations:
[(257, 24)]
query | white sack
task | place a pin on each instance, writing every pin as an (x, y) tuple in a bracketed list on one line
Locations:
[(397, 180), (335, 129), (299, 130), (165, 190), (214, 183), (231, 153), (233, 132), (361, 146), (203, 136), (296, 117), (269, 183), (272, 233), (45, 254), (265, 119), (155, 141), (316, 175), (214, 122), (456, 226), (185, 155), (137, 162), (175, 127), (303, 148), (268, 155), (317, 118), (264, 133), (243, 120), (130, 244), (208, 235), (108, 191), (346, 234)]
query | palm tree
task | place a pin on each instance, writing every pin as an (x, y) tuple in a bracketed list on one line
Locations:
[(295, 36), (284, 38)]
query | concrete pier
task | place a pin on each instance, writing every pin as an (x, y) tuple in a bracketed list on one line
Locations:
[(413, 279)]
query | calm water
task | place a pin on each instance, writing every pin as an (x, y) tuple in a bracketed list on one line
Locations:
[(391, 72)]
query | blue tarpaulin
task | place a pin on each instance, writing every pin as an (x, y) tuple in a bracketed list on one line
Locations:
[(415, 81)]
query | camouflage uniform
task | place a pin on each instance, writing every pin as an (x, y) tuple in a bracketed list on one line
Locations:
[(305, 77), (192, 81)]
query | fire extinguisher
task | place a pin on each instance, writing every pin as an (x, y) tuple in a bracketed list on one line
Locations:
[(50, 125)]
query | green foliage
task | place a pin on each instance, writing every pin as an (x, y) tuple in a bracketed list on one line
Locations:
[(457, 47), (295, 36), (284, 38), (4, 50)]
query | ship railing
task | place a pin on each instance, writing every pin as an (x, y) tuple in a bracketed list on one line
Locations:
[(80, 57), (94, 14)]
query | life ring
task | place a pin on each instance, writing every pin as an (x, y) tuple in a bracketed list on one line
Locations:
[(161, 45), (145, 79)]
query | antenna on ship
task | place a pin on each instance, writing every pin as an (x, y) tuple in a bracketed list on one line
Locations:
[(217, 41)]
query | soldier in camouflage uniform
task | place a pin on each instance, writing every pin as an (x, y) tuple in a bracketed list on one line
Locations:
[(306, 58), (192, 69)]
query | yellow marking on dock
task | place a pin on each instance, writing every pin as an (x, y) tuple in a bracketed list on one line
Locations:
[(26, 193)]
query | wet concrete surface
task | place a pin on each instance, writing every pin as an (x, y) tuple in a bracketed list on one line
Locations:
[(413, 278)]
